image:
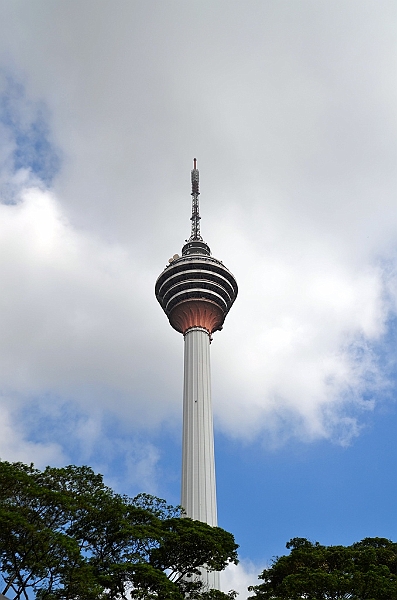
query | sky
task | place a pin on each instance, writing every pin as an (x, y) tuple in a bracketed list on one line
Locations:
[(290, 108)]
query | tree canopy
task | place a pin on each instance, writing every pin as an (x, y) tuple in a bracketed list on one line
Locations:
[(366, 570), (65, 535)]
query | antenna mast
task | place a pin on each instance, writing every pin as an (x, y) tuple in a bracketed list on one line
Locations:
[(195, 218)]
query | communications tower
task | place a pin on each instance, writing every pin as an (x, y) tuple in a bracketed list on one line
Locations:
[(196, 292)]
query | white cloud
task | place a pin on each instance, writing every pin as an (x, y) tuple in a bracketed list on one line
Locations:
[(71, 312), (14, 445), (304, 331), (142, 460), (239, 577)]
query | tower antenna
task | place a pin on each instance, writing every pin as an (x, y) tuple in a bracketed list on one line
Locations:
[(195, 218)]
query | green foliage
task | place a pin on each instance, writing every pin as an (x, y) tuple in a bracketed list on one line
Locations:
[(366, 570), (64, 535)]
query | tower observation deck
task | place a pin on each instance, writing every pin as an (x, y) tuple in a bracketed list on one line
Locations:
[(196, 291)]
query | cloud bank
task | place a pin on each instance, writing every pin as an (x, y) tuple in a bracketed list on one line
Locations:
[(294, 127)]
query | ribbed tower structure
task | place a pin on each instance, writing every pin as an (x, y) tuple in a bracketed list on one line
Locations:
[(196, 292)]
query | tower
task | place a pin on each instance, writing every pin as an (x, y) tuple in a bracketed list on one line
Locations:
[(196, 292)]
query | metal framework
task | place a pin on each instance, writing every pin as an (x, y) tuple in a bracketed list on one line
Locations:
[(195, 218)]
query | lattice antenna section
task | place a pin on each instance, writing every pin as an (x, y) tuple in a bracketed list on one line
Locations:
[(195, 218)]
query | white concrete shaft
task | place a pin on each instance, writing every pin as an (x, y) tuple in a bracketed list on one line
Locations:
[(198, 463)]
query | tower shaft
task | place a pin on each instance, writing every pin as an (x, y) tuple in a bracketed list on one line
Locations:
[(198, 463), (198, 466)]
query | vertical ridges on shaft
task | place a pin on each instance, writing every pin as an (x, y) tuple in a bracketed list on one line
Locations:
[(195, 218), (198, 465), (198, 462)]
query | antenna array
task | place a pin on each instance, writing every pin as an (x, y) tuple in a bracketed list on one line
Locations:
[(195, 218)]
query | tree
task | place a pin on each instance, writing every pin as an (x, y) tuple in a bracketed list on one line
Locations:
[(366, 570), (64, 535)]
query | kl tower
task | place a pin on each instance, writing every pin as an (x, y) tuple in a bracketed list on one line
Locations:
[(196, 292)]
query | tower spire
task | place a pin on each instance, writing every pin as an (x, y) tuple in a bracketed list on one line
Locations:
[(195, 218)]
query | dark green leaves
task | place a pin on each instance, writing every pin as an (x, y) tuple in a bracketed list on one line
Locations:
[(367, 570), (66, 536)]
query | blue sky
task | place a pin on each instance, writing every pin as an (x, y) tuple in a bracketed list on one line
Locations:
[(28, 126), (290, 110)]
